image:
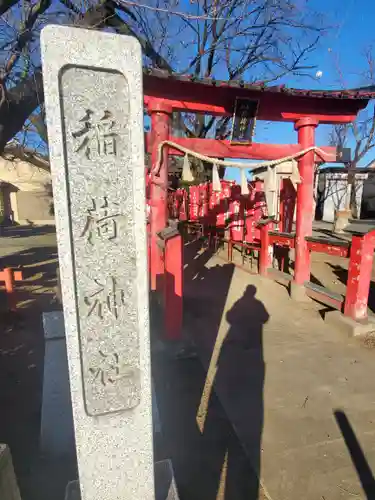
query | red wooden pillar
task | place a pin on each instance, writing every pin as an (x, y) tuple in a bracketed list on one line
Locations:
[(306, 138), (9, 287), (161, 115), (264, 253), (287, 204), (173, 287), (359, 276), (9, 277)]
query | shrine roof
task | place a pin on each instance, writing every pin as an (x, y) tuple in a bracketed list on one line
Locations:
[(366, 93), (278, 102)]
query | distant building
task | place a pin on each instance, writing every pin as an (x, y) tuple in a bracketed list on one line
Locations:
[(25, 191), (331, 192)]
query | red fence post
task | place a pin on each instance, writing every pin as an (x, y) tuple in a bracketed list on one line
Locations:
[(174, 269), (287, 204), (264, 255), (161, 116), (359, 276), (305, 191), (9, 287)]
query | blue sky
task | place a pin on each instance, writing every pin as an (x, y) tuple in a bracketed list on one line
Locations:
[(341, 51), (351, 30)]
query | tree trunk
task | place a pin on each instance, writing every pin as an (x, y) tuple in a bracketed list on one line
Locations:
[(20, 101), (351, 199)]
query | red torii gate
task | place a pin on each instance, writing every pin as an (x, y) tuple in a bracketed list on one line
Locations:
[(166, 93)]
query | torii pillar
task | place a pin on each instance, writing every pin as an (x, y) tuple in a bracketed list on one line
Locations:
[(305, 193), (166, 256), (161, 118)]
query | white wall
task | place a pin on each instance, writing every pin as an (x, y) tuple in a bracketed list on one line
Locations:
[(23, 175), (27, 191), (336, 192)]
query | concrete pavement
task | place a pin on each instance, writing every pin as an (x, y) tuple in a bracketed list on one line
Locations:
[(282, 376)]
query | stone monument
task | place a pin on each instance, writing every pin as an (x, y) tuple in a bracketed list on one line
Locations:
[(56, 428), (94, 107), (8, 482)]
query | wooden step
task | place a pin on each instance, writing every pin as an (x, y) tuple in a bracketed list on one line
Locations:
[(324, 295)]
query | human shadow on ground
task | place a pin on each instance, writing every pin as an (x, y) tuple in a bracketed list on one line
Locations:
[(357, 455), (202, 398), (241, 371)]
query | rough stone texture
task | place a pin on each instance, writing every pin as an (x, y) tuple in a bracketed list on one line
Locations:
[(165, 484), (348, 325), (56, 430), (8, 482), (94, 82)]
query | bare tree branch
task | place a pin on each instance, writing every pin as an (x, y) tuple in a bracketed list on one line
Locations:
[(24, 36), (21, 101), (5, 5), (261, 40), (361, 132)]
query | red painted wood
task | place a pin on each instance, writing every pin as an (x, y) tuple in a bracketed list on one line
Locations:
[(288, 197), (264, 256), (17, 275), (282, 241), (236, 209), (359, 276), (322, 117), (278, 106), (324, 298), (160, 128), (328, 248), (9, 279), (8, 276), (306, 138), (224, 149), (173, 287)]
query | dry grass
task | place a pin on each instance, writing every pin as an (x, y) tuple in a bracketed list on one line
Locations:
[(369, 340)]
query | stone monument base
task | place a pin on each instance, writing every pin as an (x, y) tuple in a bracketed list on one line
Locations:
[(56, 433), (165, 485), (8, 482)]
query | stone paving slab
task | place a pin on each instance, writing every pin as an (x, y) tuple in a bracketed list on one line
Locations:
[(280, 374)]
